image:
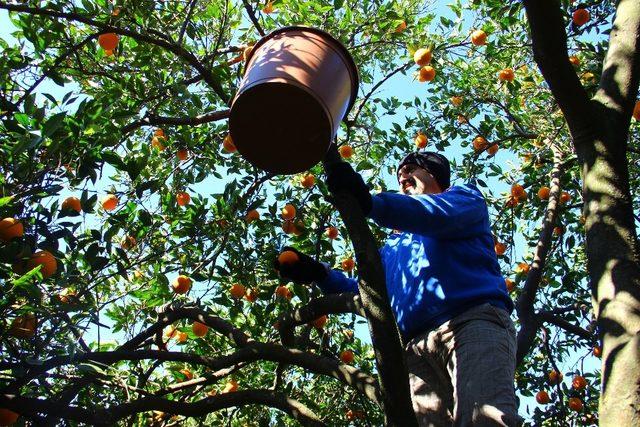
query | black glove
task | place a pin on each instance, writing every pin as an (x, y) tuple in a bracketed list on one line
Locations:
[(342, 178), (305, 270)]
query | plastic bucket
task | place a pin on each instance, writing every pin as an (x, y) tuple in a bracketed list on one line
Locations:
[(299, 84)]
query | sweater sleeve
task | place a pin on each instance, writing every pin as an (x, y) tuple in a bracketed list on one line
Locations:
[(336, 282), (456, 213)]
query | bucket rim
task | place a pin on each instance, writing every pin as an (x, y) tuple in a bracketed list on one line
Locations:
[(353, 68)]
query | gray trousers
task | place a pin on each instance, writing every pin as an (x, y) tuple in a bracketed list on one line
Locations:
[(461, 373)]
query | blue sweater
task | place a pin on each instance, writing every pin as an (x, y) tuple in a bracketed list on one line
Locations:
[(440, 264)]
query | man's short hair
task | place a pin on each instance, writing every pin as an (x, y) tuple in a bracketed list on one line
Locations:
[(435, 163)]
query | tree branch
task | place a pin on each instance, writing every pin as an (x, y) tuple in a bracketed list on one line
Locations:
[(109, 416), (566, 325), (252, 17), (154, 120)]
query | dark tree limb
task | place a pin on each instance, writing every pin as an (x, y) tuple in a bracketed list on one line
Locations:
[(187, 19), (252, 16), (564, 324), (179, 51), (109, 416), (385, 337), (525, 303), (155, 120)]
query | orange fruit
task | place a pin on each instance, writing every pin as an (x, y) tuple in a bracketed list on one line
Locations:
[(401, 27), (308, 181), (564, 197), (182, 154), (283, 292), (580, 16), (456, 100), (10, 228), (252, 215), (237, 290), (288, 212), (199, 329), (181, 337), (510, 284), (427, 73), (187, 373), (492, 150), (170, 331), (319, 322), (578, 382), (421, 140), (557, 231), (479, 143), (231, 386), (461, 119), (479, 38), (555, 376), (228, 145), (346, 151), (158, 132), (289, 227), (575, 404), (518, 192), (353, 415), (542, 397), (24, 326), (422, 56), (506, 75), (8, 417), (251, 295), (181, 284), (500, 248), (109, 202), (72, 203), (268, 8), (331, 232), (574, 60), (128, 242), (46, 260), (636, 111), (183, 198), (543, 193), (597, 351), (288, 257), (108, 41), (346, 356), (523, 268), (157, 142), (348, 264)]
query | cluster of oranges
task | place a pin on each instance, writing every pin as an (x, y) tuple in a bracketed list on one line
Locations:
[(578, 384)]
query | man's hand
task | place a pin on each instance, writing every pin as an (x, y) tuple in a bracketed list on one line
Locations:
[(301, 271), (342, 178)]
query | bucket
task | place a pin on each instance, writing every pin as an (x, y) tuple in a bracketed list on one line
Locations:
[(299, 84)]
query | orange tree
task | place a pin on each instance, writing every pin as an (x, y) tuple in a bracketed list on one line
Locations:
[(170, 241)]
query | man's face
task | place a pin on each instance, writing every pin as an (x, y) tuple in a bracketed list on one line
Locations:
[(412, 179)]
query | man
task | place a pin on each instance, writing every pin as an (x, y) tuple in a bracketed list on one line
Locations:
[(446, 290)]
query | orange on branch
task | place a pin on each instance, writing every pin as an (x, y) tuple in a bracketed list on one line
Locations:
[(597, 351), (252, 215), (518, 191), (159, 132), (565, 197), (456, 100), (479, 38), (510, 284), (636, 111), (283, 292), (108, 41), (308, 181), (346, 151), (522, 268), (558, 230), (574, 60), (288, 212), (289, 227), (183, 198), (24, 326), (109, 202), (555, 377), (181, 337), (128, 242), (228, 145), (46, 260), (579, 382), (72, 203), (492, 150), (237, 290), (181, 284), (575, 404), (500, 248), (268, 8), (543, 193), (331, 232), (479, 143), (348, 264), (10, 228), (8, 417), (426, 73), (400, 27), (542, 397), (182, 154), (422, 57), (581, 16), (421, 140), (319, 322), (346, 357), (199, 329), (288, 257), (251, 295), (506, 75), (230, 386), (187, 373)]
